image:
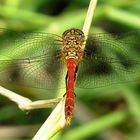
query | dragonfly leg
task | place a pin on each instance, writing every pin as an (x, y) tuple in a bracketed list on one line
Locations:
[(66, 82), (75, 77), (74, 94), (64, 95), (66, 79), (75, 73)]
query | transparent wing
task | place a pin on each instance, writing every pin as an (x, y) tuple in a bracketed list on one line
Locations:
[(30, 59), (110, 59)]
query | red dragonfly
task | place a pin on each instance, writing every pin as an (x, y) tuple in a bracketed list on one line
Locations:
[(37, 60)]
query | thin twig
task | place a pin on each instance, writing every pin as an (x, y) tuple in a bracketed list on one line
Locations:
[(18, 99), (89, 17), (25, 103)]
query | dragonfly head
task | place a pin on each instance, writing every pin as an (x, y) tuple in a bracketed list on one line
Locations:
[(73, 40), (73, 37)]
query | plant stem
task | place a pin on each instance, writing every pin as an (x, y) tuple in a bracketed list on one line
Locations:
[(89, 17)]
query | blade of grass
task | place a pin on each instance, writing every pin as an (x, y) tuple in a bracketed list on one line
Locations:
[(10, 12), (123, 17), (133, 102)]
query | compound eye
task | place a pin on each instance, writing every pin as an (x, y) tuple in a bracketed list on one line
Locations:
[(77, 38), (67, 37)]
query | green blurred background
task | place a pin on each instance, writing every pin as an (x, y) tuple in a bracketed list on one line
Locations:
[(109, 113)]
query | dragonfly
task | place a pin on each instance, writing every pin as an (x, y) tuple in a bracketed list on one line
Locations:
[(39, 59)]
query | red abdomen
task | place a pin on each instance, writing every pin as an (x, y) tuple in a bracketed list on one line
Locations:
[(69, 103)]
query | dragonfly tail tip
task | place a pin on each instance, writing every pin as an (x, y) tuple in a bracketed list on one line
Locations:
[(68, 120)]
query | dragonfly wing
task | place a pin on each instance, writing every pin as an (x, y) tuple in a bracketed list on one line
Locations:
[(15, 45), (109, 59), (30, 59)]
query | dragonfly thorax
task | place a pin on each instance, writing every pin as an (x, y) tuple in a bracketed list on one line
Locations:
[(73, 40)]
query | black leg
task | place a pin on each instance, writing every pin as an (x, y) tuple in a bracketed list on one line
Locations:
[(75, 77), (66, 79), (64, 95), (76, 69), (75, 73)]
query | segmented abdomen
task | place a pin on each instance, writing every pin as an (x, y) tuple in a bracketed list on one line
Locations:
[(69, 103)]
